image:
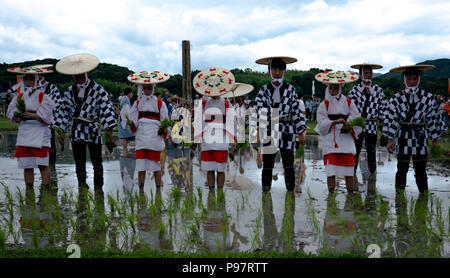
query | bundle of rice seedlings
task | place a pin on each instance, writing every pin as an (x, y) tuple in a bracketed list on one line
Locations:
[(300, 152), (21, 108), (238, 147), (435, 152), (359, 121), (108, 141), (59, 133), (166, 123)]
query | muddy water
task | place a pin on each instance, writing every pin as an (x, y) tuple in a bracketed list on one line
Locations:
[(243, 219)]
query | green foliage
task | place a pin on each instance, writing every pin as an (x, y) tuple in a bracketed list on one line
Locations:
[(359, 121), (166, 123), (300, 152), (21, 106)]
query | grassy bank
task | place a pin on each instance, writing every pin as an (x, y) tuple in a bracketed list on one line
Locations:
[(5, 123)]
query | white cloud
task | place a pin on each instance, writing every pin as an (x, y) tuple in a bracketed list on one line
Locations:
[(139, 34)]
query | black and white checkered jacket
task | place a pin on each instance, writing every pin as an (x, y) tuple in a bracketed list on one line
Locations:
[(375, 109), (412, 139), (288, 130), (53, 91), (97, 107)]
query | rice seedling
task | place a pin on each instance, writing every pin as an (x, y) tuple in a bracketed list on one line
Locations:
[(256, 234)]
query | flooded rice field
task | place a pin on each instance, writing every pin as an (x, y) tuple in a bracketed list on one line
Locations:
[(185, 216)]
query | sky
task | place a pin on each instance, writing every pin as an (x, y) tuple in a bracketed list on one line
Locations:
[(147, 35)]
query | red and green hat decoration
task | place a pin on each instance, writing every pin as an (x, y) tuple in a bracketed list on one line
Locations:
[(30, 70), (213, 81), (148, 77), (336, 77)]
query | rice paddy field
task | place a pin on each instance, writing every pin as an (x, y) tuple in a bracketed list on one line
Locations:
[(186, 219)]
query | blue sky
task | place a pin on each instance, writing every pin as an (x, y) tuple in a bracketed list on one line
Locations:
[(147, 35)]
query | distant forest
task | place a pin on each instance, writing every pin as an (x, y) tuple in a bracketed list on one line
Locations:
[(114, 79)]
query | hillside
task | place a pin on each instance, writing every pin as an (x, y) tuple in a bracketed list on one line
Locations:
[(442, 69), (114, 79)]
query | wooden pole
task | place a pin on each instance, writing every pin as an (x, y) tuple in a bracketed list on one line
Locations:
[(186, 86), (187, 95)]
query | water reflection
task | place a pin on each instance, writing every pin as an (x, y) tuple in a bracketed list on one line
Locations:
[(42, 223), (273, 240), (91, 219), (152, 231), (405, 226), (216, 226), (414, 238), (339, 228)]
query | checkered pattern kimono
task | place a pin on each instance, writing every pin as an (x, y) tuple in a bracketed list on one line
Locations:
[(413, 140), (53, 92), (97, 106), (376, 107), (288, 130)]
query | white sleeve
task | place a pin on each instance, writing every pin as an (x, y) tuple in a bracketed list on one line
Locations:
[(323, 126), (163, 112), (354, 113), (12, 109), (133, 114), (45, 110)]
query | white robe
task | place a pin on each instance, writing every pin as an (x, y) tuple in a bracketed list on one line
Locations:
[(33, 133), (333, 141), (147, 130), (214, 136)]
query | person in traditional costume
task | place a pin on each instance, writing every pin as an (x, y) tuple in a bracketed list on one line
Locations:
[(125, 134), (371, 103), (52, 91), (335, 112), (278, 98), (146, 115), (412, 117), (87, 108), (214, 123), (32, 109)]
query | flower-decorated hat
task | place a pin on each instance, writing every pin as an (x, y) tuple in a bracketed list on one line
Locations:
[(419, 67), (239, 89), (266, 60), (30, 70), (373, 66), (148, 77), (336, 77), (213, 81), (77, 64)]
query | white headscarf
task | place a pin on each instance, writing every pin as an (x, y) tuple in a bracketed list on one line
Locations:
[(83, 86), (333, 99), (280, 80), (365, 79), (412, 91), (140, 91), (29, 89)]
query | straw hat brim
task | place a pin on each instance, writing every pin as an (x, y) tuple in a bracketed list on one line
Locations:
[(239, 89), (336, 77), (29, 70), (213, 81), (176, 98), (266, 60), (420, 67), (148, 77), (77, 64), (373, 66)]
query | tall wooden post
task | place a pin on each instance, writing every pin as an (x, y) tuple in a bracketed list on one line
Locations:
[(186, 86), (187, 95)]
